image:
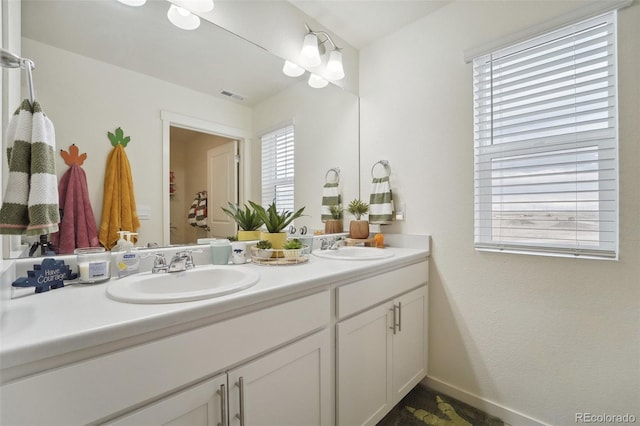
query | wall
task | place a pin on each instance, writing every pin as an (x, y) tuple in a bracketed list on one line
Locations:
[(85, 98), (326, 136), (534, 339)]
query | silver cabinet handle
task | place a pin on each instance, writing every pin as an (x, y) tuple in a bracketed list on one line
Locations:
[(399, 316), (395, 318), (240, 385), (223, 405)]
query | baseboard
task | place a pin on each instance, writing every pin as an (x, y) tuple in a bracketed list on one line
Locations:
[(509, 416)]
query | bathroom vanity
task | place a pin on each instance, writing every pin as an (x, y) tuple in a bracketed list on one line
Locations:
[(322, 343)]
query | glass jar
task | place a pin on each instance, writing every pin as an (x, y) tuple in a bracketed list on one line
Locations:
[(94, 264)]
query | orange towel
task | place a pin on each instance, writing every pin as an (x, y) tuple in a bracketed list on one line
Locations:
[(118, 204)]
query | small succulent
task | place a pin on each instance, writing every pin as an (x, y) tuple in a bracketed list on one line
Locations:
[(232, 238), (293, 244), (263, 245), (357, 207), (336, 211)]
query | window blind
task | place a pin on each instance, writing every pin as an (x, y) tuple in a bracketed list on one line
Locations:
[(278, 168), (545, 137)]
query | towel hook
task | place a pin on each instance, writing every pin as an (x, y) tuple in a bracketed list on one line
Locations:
[(385, 165), (336, 171), (11, 60)]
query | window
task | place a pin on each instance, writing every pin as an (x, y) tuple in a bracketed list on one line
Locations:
[(545, 136), (278, 168)]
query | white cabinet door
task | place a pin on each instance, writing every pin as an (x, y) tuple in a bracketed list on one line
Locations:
[(381, 356), (363, 373), (409, 343), (287, 387), (199, 405)]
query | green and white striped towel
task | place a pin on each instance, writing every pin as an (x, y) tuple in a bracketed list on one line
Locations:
[(330, 197), (380, 201), (30, 204)]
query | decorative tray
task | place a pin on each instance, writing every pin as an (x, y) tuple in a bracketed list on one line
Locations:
[(279, 256)]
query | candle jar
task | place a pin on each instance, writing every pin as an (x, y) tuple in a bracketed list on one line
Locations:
[(94, 264)]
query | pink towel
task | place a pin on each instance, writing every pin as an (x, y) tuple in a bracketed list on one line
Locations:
[(78, 225)]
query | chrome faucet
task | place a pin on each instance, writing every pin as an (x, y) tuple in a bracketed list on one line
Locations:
[(159, 264), (182, 261), (337, 243)]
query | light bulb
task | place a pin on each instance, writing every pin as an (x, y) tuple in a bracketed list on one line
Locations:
[(310, 55), (317, 82), (292, 70), (182, 18), (133, 2), (335, 71)]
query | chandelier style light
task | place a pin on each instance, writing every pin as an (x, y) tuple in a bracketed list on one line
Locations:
[(313, 47)]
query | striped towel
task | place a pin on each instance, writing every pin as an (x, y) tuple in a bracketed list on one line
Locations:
[(31, 202), (198, 211), (330, 197), (380, 201)]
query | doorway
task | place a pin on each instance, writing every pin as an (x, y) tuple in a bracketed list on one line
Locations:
[(201, 165)]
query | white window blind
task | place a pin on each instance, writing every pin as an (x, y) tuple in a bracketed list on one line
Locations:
[(278, 168), (545, 122)]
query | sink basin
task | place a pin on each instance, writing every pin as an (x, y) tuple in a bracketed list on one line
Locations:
[(203, 282), (354, 253)]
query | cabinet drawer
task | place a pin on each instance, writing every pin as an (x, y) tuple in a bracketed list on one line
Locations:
[(90, 390), (352, 298)]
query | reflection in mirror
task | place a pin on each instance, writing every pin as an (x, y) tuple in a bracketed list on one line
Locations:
[(102, 65)]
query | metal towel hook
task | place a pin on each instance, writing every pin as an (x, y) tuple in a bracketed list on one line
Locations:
[(336, 172), (385, 165), (10, 60)]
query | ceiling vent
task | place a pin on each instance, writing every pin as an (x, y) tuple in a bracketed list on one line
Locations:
[(232, 95)]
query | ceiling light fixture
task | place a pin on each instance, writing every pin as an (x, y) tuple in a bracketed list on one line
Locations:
[(313, 47), (317, 82), (182, 18), (292, 70)]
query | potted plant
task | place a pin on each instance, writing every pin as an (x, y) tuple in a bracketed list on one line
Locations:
[(248, 221), (292, 248), (334, 225), (275, 222), (358, 229), (263, 249)]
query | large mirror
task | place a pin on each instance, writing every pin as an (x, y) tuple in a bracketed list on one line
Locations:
[(101, 65)]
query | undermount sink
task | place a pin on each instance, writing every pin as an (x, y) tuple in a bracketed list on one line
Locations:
[(354, 253), (203, 282)]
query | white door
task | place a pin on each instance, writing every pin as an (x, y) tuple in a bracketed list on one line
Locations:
[(222, 177), (199, 405), (289, 387), (364, 367)]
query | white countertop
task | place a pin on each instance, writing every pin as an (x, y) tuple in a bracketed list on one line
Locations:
[(81, 316)]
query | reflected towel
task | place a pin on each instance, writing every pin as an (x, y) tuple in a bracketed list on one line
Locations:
[(330, 197), (78, 226), (30, 205), (119, 204), (380, 202)]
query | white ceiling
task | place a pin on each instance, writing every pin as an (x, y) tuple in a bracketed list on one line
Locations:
[(360, 22)]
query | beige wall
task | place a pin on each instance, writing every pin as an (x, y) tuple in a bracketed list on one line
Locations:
[(542, 337)]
